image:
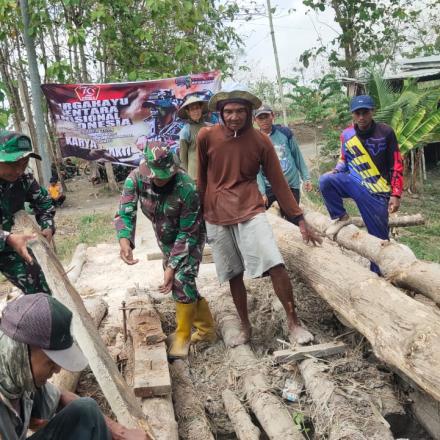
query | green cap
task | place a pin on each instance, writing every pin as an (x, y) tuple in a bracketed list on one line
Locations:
[(159, 160), (14, 146)]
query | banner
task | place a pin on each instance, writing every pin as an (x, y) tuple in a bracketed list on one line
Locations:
[(114, 121)]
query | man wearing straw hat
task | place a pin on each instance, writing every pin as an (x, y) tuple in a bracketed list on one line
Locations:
[(230, 155), (193, 110)]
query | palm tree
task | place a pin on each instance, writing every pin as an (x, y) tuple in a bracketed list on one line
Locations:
[(413, 113)]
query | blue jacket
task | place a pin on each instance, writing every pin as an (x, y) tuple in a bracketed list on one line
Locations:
[(291, 159)]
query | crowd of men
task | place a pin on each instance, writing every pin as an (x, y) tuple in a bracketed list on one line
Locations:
[(229, 174)]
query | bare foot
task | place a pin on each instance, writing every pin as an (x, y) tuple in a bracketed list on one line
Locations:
[(300, 335), (243, 337)]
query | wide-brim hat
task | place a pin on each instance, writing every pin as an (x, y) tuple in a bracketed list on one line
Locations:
[(15, 146), (183, 111), (235, 91), (159, 160)]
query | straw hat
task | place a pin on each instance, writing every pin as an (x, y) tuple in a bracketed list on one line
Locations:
[(183, 110), (234, 91)]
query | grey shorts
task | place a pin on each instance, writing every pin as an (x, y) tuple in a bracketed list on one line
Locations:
[(247, 247)]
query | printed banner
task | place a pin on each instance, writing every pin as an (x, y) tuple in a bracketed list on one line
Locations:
[(114, 121)]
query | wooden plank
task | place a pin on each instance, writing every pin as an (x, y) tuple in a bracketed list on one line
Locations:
[(317, 351), (151, 376), (427, 412), (119, 395)]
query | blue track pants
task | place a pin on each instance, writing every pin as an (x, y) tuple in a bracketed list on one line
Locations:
[(373, 208)]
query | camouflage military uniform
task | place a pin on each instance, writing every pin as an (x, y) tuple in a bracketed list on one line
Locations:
[(28, 278), (177, 222)]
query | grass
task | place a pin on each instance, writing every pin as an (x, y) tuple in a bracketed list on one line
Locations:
[(423, 240), (90, 229)]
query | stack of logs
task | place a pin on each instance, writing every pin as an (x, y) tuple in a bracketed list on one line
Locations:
[(403, 332)]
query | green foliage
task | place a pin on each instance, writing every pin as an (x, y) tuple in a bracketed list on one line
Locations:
[(412, 113), (299, 421), (323, 103), (370, 33)]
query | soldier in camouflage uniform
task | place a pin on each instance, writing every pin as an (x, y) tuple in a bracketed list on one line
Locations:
[(17, 187), (168, 197)]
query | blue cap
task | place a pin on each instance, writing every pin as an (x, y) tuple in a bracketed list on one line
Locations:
[(361, 101)]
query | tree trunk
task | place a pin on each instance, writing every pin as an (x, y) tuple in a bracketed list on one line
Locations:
[(113, 185), (396, 261), (269, 410), (190, 412), (333, 413), (402, 332), (36, 92), (240, 419), (395, 222)]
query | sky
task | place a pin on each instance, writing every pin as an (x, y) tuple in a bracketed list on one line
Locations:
[(294, 32)]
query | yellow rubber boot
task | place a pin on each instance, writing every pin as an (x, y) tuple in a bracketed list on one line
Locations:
[(179, 341), (204, 323)]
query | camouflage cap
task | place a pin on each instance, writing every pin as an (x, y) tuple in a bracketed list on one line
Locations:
[(159, 160), (15, 146)]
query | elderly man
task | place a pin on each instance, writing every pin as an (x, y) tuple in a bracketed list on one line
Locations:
[(35, 343), (230, 155), (291, 160), (17, 187), (370, 171), (168, 197)]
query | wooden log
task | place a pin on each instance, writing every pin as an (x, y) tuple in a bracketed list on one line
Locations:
[(396, 261), (333, 413), (395, 222), (402, 332), (163, 424), (77, 263), (427, 412), (240, 419), (119, 396), (317, 351), (151, 376), (190, 412), (66, 380), (272, 414)]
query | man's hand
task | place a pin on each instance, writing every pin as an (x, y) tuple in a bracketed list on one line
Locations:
[(309, 235), (126, 252), (18, 243), (168, 278), (393, 204), (308, 186), (47, 234)]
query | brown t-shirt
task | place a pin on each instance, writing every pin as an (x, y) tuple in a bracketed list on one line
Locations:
[(227, 175)]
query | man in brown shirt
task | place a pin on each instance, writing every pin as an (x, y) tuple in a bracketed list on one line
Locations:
[(230, 156)]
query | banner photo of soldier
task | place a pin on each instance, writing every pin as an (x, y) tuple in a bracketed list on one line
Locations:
[(113, 122)]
